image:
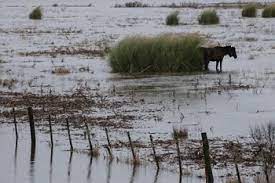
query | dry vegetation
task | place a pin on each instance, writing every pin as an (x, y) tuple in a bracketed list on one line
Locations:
[(264, 138), (64, 50), (181, 133), (9, 83), (61, 71)]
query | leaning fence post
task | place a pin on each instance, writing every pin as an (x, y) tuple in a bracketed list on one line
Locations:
[(89, 137), (15, 123), (179, 158), (108, 139), (207, 161), (109, 146), (238, 173), (69, 134), (154, 151), (32, 127), (51, 132), (132, 148)]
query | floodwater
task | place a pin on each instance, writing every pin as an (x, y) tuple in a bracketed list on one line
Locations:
[(200, 102), (19, 164)]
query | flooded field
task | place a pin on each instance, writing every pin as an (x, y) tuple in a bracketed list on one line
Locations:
[(59, 66)]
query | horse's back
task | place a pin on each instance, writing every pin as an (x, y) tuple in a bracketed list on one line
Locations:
[(213, 54)]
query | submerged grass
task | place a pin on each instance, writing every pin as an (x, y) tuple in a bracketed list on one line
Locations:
[(172, 18), (208, 17), (36, 14), (269, 11), (164, 53), (249, 10)]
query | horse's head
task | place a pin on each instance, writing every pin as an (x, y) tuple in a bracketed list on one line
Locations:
[(231, 51)]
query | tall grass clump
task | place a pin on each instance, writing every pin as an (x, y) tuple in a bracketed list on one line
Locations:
[(164, 53), (249, 10), (208, 17), (172, 18), (269, 11), (36, 14), (135, 4)]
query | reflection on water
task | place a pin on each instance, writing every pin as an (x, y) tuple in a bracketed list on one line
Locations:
[(156, 176), (109, 170), (51, 166), (32, 163), (133, 174), (46, 165), (89, 169), (15, 158), (70, 167)]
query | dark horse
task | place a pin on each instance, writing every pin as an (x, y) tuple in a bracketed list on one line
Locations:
[(216, 54)]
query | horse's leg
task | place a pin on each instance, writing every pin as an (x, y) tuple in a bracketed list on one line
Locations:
[(217, 63), (206, 62), (220, 65)]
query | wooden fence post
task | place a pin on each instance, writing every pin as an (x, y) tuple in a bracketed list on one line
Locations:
[(207, 161), (179, 158), (89, 138), (109, 146), (154, 151), (238, 173), (15, 123), (132, 148), (51, 132), (32, 127), (69, 134)]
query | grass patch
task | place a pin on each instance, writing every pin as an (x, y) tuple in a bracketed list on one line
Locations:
[(135, 4), (208, 17), (36, 14), (269, 11), (172, 18), (164, 53), (250, 10)]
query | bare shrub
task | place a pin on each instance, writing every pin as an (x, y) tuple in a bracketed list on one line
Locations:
[(264, 139), (261, 178), (9, 83), (96, 152), (181, 133)]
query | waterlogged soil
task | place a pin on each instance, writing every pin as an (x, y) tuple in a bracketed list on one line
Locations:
[(59, 65)]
